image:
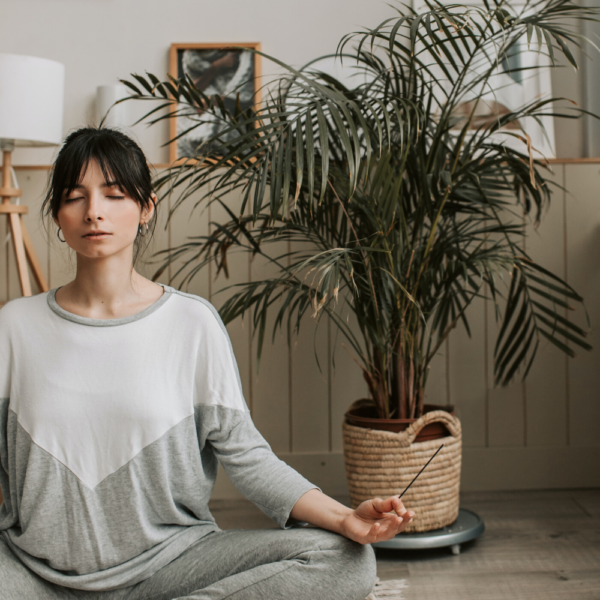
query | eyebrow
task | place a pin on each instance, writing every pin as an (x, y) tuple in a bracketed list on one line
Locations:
[(107, 184)]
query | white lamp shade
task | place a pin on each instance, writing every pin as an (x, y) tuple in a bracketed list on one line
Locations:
[(106, 96), (31, 100)]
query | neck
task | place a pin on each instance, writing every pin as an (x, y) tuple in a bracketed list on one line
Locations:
[(108, 281)]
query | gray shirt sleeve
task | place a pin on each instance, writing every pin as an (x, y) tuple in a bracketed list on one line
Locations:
[(224, 423), (251, 465)]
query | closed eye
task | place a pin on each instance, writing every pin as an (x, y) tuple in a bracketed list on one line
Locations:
[(81, 197)]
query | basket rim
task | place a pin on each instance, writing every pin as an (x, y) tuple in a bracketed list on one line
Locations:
[(452, 423)]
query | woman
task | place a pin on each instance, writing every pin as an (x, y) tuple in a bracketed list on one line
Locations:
[(118, 398)]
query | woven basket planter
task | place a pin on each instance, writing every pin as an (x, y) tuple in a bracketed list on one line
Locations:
[(380, 464)]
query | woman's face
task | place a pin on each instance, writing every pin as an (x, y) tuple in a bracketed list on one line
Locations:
[(98, 205)]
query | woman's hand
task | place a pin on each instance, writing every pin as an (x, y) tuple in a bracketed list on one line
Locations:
[(377, 520), (374, 520)]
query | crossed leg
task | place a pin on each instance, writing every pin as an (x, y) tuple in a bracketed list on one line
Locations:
[(267, 564), (236, 564)]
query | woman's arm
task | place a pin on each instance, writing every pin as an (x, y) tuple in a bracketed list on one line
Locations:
[(374, 520), (224, 422)]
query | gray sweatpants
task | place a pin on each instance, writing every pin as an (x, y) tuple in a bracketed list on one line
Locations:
[(238, 564)]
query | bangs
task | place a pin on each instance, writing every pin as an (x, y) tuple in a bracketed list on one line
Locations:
[(116, 161), (75, 172)]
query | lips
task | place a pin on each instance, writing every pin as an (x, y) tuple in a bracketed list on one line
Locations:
[(96, 234)]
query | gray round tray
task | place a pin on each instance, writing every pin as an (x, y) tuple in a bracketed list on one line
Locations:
[(467, 526)]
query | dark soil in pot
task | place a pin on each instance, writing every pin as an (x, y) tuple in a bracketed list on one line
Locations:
[(366, 416)]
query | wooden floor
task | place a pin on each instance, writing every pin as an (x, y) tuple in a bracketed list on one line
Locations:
[(537, 545)]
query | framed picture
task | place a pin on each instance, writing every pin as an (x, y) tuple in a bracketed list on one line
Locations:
[(219, 69)]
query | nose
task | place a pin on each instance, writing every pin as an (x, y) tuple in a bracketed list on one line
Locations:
[(94, 208)]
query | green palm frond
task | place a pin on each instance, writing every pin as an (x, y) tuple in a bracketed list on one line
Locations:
[(407, 203)]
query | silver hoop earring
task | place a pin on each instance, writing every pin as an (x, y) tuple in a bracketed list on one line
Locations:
[(140, 229), (58, 235)]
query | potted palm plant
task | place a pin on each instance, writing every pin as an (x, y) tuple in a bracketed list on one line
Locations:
[(404, 189)]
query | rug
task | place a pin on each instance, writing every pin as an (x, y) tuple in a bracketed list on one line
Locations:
[(388, 590)]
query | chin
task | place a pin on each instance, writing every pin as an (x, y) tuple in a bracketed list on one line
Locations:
[(104, 252)]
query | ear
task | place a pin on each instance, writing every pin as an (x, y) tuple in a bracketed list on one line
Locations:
[(148, 212)]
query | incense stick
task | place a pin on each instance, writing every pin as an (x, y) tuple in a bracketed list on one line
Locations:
[(402, 494)]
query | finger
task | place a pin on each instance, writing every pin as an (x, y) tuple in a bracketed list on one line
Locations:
[(392, 504), (394, 524), (392, 528), (382, 505), (374, 532), (405, 520), (402, 511), (407, 517), (400, 522), (398, 506)]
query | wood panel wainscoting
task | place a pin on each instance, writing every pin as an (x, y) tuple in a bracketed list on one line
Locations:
[(542, 434)]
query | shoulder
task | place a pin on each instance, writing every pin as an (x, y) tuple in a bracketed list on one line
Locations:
[(19, 309), (198, 309), (205, 326)]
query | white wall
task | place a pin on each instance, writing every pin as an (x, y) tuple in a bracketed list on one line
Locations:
[(100, 41)]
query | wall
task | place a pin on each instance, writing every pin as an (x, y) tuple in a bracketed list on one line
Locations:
[(542, 434), (100, 41), (591, 89)]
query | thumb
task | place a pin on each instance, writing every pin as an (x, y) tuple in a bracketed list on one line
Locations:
[(382, 506)]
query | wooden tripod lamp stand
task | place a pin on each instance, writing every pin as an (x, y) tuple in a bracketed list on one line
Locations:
[(31, 107), (20, 237)]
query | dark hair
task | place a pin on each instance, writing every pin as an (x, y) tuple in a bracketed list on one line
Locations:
[(120, 160)]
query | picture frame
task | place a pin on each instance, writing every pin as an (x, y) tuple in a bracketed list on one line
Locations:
[(219, 68)]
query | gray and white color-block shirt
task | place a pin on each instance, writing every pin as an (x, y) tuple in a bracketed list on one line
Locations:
[(110, 436)]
